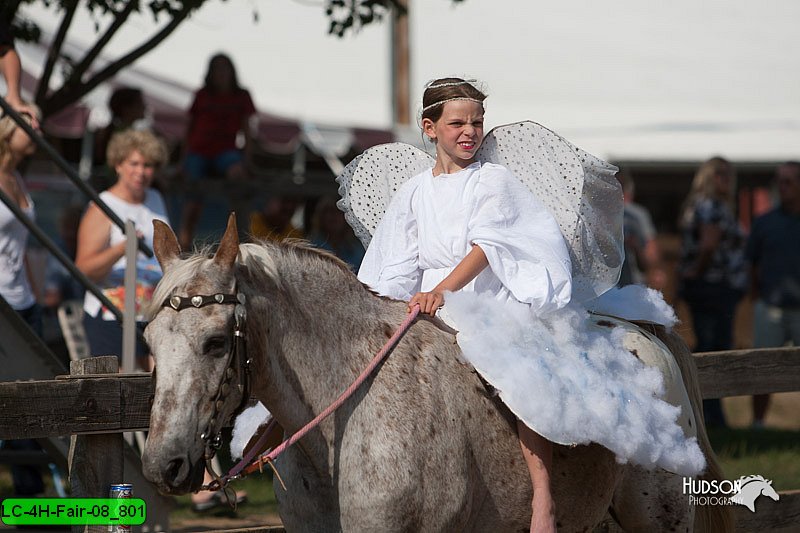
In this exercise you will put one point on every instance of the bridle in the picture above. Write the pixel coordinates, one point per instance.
(238, 358)
(238, 364)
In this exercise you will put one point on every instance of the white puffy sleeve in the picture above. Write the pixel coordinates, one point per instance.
(521, 240)
(391, 263)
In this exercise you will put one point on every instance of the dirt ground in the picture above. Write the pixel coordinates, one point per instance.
(211, 523)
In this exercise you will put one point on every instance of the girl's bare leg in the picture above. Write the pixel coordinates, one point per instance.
(538, 453)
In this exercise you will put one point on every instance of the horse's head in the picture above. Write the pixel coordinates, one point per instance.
(751, 488)
(769, 491)
(195, 336)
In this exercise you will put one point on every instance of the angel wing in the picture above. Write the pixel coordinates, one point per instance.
(368, 182)
(578, 189)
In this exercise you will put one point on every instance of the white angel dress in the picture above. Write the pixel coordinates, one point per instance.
(432, 222)
(519, 322)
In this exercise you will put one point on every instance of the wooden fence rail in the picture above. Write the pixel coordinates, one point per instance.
(747, 372)
(95, 405)
(103, 403)
(77, 405)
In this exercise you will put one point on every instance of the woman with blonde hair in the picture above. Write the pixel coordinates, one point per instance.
(135, 156)
(714, 178)
(15, 286)
(712, 269)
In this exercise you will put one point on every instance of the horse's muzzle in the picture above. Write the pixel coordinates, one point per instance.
(174, 476)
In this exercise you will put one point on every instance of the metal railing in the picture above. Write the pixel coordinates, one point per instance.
(46, 241)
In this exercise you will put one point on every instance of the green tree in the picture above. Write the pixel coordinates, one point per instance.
(350, 15)
(79, 74)
(82, 74)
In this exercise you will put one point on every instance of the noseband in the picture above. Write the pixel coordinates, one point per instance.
(238, 363)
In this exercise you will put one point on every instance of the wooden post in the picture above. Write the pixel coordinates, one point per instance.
(129, 312)
(401, 83)
(95, 461)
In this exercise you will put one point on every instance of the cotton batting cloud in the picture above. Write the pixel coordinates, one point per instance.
(634, 302)
(573, 383)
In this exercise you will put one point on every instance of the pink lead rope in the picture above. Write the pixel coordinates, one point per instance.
(245, 467)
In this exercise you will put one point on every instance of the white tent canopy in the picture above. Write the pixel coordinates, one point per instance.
(624, 79)
(168, 98)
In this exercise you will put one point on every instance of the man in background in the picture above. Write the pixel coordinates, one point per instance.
(774, 255)
(642, 263)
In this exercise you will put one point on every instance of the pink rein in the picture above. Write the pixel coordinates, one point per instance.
(247, 467)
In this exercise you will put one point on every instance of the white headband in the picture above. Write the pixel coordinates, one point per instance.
(440, 102)
(433, 85)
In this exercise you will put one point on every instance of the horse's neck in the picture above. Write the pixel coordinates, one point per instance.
(310, 352)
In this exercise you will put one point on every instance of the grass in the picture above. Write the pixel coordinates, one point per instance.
(774, 454)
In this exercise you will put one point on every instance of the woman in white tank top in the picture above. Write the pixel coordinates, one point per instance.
(135, 156)
(15, 286)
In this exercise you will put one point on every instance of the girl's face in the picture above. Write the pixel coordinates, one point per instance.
(458, 133)
(135, 174)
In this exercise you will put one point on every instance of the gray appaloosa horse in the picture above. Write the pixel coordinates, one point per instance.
(421, 446)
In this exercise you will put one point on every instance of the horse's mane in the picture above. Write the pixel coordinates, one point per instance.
(299, 248)
(264, 259)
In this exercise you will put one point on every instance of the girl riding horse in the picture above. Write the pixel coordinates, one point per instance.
(468, 225)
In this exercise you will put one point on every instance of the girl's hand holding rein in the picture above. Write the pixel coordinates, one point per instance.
(429, 302)
(464, 272)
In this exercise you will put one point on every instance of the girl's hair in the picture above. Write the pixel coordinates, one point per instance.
(7, 127)
(704, 186)
(122, 144)
(225, 58)
(444, 90)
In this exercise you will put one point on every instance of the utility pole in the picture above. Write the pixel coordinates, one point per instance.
(401, 83)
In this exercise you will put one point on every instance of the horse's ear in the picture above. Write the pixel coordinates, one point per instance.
(165, 245)
(229, 246)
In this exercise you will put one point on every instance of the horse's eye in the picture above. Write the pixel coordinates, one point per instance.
(215, 346)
